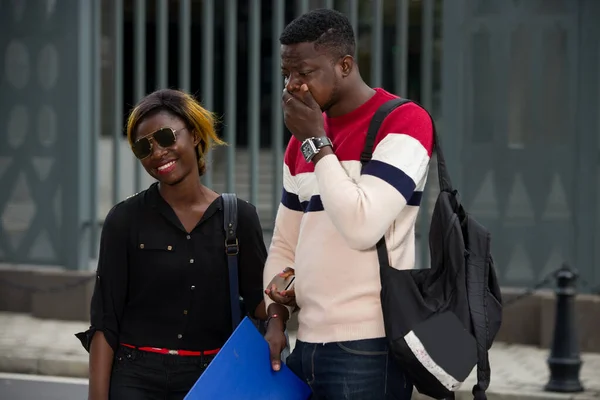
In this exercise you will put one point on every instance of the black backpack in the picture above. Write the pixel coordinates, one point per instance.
(440, 322)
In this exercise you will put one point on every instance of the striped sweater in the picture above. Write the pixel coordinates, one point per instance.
(331, 217)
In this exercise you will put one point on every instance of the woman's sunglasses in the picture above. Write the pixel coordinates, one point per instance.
(164, 137)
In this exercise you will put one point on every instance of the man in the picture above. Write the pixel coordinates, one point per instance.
(331, 216)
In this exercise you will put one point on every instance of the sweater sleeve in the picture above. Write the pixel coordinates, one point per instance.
(387, 184)
(282, 251)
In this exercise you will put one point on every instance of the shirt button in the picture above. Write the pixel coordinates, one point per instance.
(169, 248)
(184, 312)
(188, 237)
(191, 260)
(193, 287)
(179, 336)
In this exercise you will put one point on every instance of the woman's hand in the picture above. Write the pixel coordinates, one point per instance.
(275, 336)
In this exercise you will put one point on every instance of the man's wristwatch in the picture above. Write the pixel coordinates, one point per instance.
(311, 146)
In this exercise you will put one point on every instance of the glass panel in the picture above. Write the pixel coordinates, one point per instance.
(519, 268)
(483, 87)
(551, 6)
(555, 116)
(484, 7)
(519, 88)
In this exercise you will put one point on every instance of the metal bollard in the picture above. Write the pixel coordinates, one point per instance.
(564, 361)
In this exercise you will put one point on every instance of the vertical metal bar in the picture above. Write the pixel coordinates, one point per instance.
(77, 230)
(302, 7)
(328, 4)
(118, 100)
(96, 127)
(162, 41)
(208, 46)
(254, 97)
(278, 20)
(377, 43)
(353, 16)
(230, 89)
(140, 72)
(427, 54)
(426, 101)
(185, 32)
(586, 141)
(401, 53)
(455, 82)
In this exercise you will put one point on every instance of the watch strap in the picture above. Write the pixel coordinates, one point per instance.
(321, 142)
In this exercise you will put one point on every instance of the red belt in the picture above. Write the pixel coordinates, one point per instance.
(173, 352)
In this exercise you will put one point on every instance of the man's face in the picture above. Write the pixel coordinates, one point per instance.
(302, 64)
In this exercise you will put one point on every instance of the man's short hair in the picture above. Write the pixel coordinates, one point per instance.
(326, 28)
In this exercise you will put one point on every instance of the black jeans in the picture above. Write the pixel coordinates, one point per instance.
(353, 370)
(140, 375)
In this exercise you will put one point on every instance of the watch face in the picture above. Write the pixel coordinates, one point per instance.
(308, 149)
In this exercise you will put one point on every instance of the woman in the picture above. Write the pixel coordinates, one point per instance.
(160, 309)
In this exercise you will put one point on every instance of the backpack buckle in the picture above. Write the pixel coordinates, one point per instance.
(232, 249)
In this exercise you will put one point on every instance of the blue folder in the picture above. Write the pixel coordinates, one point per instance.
(242, 370)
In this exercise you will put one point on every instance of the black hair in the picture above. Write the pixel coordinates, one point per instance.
(325, 28)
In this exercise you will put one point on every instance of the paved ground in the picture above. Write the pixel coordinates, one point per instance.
(30, 387)
(47, 347)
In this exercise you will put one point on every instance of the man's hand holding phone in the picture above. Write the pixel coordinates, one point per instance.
(281, 288)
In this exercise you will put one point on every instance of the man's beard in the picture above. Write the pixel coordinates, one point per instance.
(333, 98)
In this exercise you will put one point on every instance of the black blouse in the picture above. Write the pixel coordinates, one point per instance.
(159, 286)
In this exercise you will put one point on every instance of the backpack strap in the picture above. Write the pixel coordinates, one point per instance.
(230, 216)
(384, 110)
(477, 295)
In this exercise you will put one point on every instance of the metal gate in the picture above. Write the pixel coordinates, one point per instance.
(74, 68)
(520, 101)
(520, 124)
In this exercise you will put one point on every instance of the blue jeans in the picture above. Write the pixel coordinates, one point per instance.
(353, 370)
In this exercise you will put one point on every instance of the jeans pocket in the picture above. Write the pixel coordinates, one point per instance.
(204, 361)
(365, 347)
(124, 356)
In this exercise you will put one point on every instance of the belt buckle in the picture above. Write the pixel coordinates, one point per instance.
(173, 352)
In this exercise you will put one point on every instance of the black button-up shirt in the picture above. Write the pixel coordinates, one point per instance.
(160, 286)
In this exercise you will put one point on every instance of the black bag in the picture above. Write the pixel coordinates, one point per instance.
(440, 322)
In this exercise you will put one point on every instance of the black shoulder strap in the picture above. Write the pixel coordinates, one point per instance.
(384, 110)
(230, 215)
